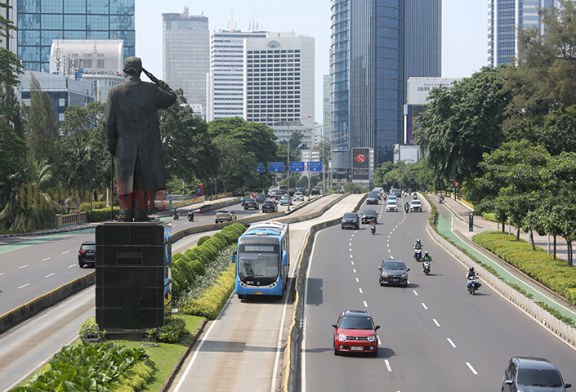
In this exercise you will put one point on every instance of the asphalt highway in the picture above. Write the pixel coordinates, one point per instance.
(434, 336)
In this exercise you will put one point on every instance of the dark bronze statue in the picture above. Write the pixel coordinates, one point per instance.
(133, 136)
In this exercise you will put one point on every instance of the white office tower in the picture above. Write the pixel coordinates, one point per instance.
(226, 83)
(279, 83)
(186, 56)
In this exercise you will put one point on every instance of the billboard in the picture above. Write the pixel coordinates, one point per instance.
(418, 88)
(361, 163)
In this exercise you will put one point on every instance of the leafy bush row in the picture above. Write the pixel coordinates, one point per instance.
(170, 332)
(555, 274)
(93, 367)
(188, 267)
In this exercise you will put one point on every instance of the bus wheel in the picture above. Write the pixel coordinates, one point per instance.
(240, 296)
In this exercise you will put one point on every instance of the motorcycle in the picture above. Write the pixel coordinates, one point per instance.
(473, 284)
(190, 216)
(373, 228)
(426, 267)
(176, 215)
(417, 254)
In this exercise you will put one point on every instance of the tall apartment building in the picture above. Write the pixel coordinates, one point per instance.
(505, 19)
(8, 41)
(376, 46)
(186, 56)
(42, 21)
(279, 83)
(226, 80)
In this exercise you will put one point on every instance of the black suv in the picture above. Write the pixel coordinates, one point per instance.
(532, 373)
(251, 204)
(269, 206)
(350, 220)
(393, 272)
(368, 215)
(87, 254)
(373, 198)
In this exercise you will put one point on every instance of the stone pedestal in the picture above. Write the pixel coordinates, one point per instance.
(132, 276)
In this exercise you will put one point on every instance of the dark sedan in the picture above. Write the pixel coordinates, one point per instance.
(393, 272)
(368, 215)
(373, 198)
(250, 204)
(269, 206)
(350, 220)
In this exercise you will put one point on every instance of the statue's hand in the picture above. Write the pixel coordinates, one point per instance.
(163, 85)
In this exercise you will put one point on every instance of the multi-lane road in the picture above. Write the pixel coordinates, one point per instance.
(434, 336)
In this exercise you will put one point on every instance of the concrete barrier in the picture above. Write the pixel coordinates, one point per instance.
(32, 308)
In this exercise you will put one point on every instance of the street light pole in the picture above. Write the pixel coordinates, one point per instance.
(288, 167)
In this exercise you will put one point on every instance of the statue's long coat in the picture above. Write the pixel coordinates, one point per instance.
(133, 133)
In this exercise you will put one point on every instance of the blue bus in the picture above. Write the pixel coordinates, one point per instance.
(262, 260)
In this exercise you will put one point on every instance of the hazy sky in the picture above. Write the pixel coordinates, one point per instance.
(464, 29)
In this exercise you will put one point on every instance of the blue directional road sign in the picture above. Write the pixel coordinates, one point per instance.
(275, 167)
(296, 166)
(260, 167)
(315, 166)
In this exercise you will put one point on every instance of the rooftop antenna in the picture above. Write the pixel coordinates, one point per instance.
(232, 23)
(253, 25)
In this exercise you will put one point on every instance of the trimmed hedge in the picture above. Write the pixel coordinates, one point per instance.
(557, 274)
(213, 299)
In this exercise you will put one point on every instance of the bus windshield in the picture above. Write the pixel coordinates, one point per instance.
(258, 265)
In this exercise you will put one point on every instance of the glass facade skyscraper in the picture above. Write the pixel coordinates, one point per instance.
(376, 46)
(505, 19)
(41, 21)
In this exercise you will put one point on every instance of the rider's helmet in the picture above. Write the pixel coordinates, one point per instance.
(471, 269)
(425, 253)
(418, 241)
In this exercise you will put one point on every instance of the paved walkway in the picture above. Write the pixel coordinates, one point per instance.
(453, 222)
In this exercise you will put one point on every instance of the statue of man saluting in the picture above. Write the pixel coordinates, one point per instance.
(133, 137)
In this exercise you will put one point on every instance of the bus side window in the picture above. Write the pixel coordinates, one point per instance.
(234, 256)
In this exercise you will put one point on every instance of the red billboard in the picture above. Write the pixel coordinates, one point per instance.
(360, 163)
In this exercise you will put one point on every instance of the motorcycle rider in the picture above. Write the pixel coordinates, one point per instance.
(175, 214)
(373, 225)
(190, 215)
(426, 260)
(417, 247)
(472, 278)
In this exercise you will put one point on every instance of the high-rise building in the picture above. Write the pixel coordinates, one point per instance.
(279, 83)
(186, 56)
(226, 80)
(505, 19)
(9, 41)
(42, 21)
(376, 46)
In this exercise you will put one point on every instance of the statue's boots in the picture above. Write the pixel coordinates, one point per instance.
(126, 210)
(140, 202)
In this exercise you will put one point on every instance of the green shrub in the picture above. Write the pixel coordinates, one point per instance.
(89, 331)
(85, 367)
(213, 299)
(171, 331)
(103, 214)
(202, 240)
(85, 207)
(555, 274)
(196, 253)
(134, 379)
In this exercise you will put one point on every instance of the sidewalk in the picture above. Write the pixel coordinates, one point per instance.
(453, 222)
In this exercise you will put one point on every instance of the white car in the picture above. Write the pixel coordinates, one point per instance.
(391, 205)
(298, 196)
(415, 205)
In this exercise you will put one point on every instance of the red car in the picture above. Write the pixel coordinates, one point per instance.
(355, 332)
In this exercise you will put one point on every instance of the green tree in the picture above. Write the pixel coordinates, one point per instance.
(189, 151)
(236, 164)
(460, 122)
(545, 81)
(41, 127)
(10, 65)
(513, 181)
(86, 163)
